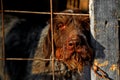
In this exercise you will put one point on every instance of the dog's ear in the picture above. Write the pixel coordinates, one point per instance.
(43, 51)
(47, 45)
(85, 22)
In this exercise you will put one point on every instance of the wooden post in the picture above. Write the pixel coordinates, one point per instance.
(104, 29)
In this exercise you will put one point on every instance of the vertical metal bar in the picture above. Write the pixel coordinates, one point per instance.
(3, 39)
(2, 28)
(51, 11)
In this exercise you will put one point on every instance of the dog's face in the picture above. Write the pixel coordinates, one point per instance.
(71, 35)
(71, 40)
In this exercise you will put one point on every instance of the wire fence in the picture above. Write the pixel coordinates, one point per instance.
(51, 13)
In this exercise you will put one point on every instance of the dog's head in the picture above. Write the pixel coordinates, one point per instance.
(71, 40)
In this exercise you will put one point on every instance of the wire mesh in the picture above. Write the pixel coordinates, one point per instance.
(51, 13)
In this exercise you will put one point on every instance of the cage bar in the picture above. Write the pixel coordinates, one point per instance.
(51, 24)
(3, 43)
(33, 12)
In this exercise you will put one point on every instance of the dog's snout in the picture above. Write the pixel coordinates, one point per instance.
(74, 40)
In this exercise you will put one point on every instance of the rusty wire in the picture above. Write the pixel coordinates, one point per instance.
(42, 59)
(3, 39)
(3, 33)
(34, 12)
(51, 15)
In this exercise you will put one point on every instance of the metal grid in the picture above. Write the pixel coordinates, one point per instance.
(51, 13)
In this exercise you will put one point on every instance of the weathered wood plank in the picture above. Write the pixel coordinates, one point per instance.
(104, 29)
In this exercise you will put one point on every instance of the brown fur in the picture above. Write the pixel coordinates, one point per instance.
(73, 53)
(74, 59)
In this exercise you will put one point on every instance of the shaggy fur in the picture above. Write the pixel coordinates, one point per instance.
(71, 36)
(71, 45)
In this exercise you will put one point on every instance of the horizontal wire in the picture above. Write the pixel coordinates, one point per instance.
(34, 12)
(42, 59)
(29, 12)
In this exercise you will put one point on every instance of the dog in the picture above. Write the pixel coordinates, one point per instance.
(71, 37)
(72, 50)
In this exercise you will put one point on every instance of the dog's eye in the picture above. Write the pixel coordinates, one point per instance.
(61, 26)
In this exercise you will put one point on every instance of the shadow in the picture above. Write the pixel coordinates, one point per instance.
(37, 5)
(98, 53)
(98, 49)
